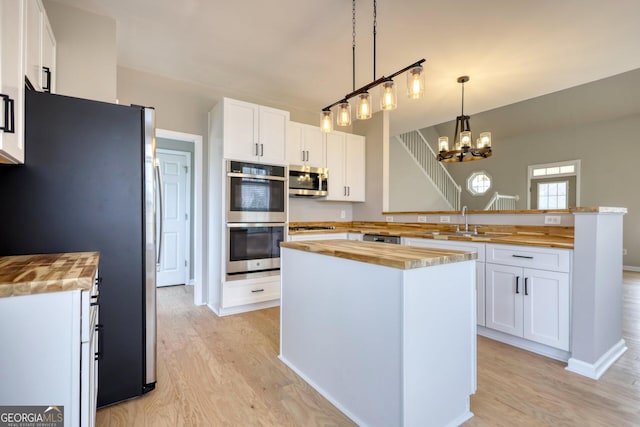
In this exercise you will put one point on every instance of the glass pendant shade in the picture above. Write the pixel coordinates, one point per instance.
(415, 82)
(443, 143)
(344, 114)
(326, 120)
(465, 138)
(485, 140)
(364, 106)
(388, 96)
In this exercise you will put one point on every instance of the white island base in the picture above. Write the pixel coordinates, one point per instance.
(387, 346)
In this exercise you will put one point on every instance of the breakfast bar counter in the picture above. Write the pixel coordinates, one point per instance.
(385, 332)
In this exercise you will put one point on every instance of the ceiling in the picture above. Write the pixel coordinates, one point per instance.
(297, 54)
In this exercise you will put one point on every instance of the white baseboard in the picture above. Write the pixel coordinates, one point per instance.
(191, 282)
(214, 309)
(524, 344)
(461, 419)
(630, 268)
(595, 370)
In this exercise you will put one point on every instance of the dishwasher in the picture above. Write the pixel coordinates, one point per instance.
(380, 238)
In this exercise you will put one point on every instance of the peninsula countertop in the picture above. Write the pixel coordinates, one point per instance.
(385, 254)
(35, 274)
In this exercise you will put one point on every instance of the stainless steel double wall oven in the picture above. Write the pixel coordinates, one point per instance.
(256, 205)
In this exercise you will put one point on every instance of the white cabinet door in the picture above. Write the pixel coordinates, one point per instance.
(295, 146)
(337, 187)
(355, 168)
(503, 296)
(272, 131)
(546, 307)
(12, 20)
(314, 146)
(48, 57)
(240, 130)
(33, 39)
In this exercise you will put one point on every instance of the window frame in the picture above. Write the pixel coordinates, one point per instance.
(474, 174)
(576, 173)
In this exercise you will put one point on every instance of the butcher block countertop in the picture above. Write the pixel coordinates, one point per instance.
(36, 274)
(527, 235)
(385, 254)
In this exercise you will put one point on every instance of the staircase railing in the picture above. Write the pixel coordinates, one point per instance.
(425, 157)
(500, 202)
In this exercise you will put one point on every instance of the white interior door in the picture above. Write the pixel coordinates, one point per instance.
(174, 263)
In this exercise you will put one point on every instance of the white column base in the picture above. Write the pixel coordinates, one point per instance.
(595, 370)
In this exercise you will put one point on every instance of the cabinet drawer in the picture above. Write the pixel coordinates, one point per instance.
(531, 257)
(478, 248)
(234, 294)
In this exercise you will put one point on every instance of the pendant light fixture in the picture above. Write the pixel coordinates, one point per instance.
(463, 149)
(388, 89)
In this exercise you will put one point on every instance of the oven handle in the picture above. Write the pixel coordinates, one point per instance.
(248, 175)
(255, 224)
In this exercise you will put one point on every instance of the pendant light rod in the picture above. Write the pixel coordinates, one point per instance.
(353, 44)
(375, 32)
(374, 83)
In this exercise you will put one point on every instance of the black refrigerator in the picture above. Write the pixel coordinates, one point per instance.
(89, 184)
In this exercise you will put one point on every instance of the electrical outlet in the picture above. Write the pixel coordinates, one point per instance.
(422, 218)
(389, 219)
(446, 218)
(343, 214)
(552, 219)
(624, 251)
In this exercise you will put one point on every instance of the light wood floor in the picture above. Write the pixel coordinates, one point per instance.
(225, 372)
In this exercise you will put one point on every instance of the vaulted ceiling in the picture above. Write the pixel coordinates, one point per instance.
(298, 53)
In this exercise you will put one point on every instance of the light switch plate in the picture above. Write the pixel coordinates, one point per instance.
(343, 214)
(445, 218)
(389, 219)
(552, 219)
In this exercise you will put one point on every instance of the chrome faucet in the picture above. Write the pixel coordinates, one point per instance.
(466, 219)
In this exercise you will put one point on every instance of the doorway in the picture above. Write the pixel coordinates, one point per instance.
(167, 139)
(175, 170)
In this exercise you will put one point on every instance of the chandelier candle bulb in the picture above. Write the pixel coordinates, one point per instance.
(465, 138)
(415, 82)
(326, 121)
(443, 143)
(485, 140)
(388, 97)
(344, 114)
(364, 106)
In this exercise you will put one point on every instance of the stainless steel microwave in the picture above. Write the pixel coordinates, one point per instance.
(307, 181)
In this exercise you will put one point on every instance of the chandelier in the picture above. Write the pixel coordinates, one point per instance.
(388, 95)
(463, 149)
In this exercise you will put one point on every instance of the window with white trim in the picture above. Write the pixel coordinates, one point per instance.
(479, 183)
(554, 185)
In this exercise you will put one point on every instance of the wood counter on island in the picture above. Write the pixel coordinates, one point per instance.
(385, 332)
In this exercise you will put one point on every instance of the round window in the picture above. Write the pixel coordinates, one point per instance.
(479, 183)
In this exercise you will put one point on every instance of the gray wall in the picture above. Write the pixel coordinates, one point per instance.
(597, 123)
(85, 52)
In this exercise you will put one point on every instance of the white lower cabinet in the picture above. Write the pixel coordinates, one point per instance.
(478, 248)
(252, 291)
(529, 302)
(49, 356)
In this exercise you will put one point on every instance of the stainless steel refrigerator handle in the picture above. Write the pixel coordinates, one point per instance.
(159, 184)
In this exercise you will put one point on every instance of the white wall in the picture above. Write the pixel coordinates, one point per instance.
(86, 52)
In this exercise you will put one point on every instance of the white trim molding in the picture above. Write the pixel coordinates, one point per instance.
(199, 254)
(631, 268)
(595, 370)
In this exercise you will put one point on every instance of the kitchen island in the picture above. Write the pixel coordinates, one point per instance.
(385, 332)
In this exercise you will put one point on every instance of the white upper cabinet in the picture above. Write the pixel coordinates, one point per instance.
(254, 133)
(305, 145)
(40, 47)
(12, 18)
(346, 166)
